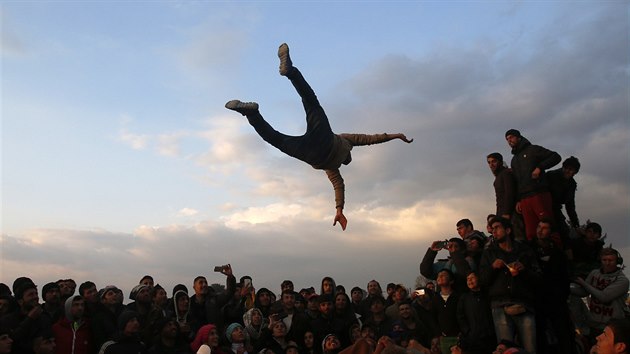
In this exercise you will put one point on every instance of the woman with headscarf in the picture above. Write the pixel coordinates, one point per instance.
(254, 325)
(206, 341)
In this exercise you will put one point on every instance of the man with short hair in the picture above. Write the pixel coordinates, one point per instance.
(528, 166)
(475, 318)
(52, 302)
(400, 294)
(206, 303)
(297, 323)
(510, 272)
(465, 229)
(66, 288)
(562, 186)
(615, 339)
(504, 185)
(585, 250)
(607, 288)
(356, 296)
(377, 318)
(457, 262)
(89, 293)
(28, 321)
(326, 323)
(445, 309)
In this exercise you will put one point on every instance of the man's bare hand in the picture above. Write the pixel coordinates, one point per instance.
(341, 219)
(227, 270)
(536, 173)
(404, 138)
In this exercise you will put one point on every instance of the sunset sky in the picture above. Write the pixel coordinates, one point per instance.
(119, 158)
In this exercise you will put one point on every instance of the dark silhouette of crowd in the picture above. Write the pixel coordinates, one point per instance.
(539, 282)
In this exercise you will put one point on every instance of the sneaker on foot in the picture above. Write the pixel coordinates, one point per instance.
(285, 60)
(243, 108)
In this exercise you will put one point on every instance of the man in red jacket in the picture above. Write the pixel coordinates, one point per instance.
(73, 334)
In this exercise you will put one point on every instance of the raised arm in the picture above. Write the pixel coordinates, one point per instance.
(337, 181)
(370, 139)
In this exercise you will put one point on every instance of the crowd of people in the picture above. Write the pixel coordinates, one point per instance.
(537, 283)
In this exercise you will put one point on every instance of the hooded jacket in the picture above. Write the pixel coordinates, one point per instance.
(525, 160)
(73, 336)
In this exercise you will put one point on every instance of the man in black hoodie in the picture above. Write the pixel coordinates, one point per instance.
(528, 166)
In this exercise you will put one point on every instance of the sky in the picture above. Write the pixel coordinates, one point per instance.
(120, 160)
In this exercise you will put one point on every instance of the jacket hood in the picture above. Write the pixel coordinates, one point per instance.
(68, 306)
(177, 295)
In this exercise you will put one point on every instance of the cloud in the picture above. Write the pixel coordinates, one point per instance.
(185, 212)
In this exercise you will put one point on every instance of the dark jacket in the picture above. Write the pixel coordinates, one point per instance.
(474, 317)
(504, 191)
(563, 193)
(23, 329)
(210, 310)
(445, 313)
(126, 345)
(502, 287)
(525, 160)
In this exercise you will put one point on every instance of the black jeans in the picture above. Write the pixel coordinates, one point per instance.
(314, 146)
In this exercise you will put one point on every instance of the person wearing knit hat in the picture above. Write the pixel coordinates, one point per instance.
(101, 293)
(235, 334)
(137, 289)
(127, 339)
(528, 167)
(166, 337)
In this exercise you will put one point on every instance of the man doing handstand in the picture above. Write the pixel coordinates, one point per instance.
(319, 146)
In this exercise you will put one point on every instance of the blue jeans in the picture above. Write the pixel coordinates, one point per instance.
(523, 325)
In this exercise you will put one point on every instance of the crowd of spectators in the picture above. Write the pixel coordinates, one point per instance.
(536, 283)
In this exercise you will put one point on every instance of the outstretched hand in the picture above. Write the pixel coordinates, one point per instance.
(404, 138)
(341, 219)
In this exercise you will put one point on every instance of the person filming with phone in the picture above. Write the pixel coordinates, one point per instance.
(206, 303)
(456, 262)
